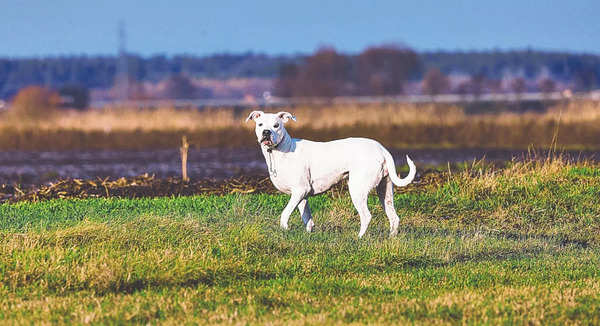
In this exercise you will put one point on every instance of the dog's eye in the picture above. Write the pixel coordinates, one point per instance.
(260, 124)
(276, 125)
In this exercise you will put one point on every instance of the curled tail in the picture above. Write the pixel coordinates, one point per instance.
(389, 163)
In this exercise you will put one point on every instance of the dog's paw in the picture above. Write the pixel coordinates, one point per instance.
(284, 226)
(309, 226)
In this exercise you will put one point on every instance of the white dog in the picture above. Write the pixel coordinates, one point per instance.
(303, 168)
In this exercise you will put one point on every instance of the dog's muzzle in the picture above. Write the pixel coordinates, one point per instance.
(266, 138)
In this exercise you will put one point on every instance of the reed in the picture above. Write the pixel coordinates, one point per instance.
(414, 125)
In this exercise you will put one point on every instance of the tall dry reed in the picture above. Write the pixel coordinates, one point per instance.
(315, 117)
(393, 124)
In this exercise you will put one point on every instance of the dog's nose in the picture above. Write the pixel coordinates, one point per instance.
(266, 132)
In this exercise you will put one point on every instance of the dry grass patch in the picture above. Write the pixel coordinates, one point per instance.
(314, 117)
(394, 124)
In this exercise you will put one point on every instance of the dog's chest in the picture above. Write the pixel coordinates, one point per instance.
(286, 172)
(281, 185)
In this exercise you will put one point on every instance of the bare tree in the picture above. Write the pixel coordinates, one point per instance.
(547, 85)
(137, 91)
(463, 88)
(324, 75)
(383, 70)
(476, 84)
(493, 85)
(518, 85)
(586, 79)
(327, 73)
(435, 82)
(181, 87)
(286, 83)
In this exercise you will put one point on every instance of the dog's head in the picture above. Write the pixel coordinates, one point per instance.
(270, 129)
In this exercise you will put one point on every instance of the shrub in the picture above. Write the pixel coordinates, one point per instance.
(35, 102)
(435, 82)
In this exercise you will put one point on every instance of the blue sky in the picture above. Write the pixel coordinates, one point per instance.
(67, 27)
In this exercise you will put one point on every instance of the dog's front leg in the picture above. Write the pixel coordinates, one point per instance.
(287, 211)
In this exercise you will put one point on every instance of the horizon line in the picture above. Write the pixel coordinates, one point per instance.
(298, 53)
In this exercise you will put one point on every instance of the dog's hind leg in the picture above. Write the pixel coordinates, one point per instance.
(305, 213)
(385, 192)
(359, 192)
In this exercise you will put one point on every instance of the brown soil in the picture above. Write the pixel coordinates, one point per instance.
(149, 186)
(26, 168)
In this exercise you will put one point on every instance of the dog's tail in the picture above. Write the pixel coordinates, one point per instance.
(391, 167)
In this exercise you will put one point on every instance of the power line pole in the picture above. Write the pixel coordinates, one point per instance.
(122, 67)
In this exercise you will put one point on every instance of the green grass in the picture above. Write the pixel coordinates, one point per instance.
(517, 246)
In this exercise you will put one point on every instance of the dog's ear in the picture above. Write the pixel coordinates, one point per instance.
(285, 116)
(254, 114)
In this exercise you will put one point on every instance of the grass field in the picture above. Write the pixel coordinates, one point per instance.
(521, 245)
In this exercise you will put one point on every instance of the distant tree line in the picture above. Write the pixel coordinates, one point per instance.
(384, 70)
(378, 70)
(435, 82)
(527, 63)
(100, 72)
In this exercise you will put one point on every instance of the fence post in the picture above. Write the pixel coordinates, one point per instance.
(184, 153)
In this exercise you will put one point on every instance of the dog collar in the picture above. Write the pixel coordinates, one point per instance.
(270, 149)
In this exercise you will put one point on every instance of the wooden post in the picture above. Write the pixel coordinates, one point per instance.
(184, 152)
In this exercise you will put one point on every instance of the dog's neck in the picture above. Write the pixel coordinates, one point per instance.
(284, 146)
(273, 154)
